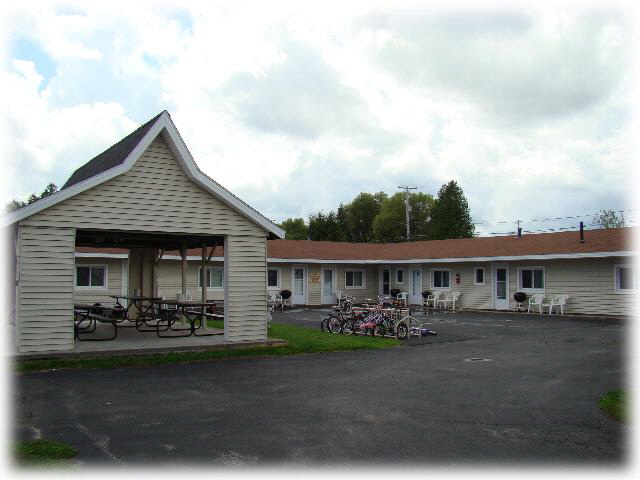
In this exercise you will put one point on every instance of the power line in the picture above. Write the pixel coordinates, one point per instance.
(485, 222)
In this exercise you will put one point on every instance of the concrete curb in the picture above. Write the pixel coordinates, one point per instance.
(276, 342)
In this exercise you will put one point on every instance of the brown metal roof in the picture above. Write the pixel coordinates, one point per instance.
(609, 240)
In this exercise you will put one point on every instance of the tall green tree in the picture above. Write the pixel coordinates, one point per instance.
(608, 219)
(295, 229)
(16, 204)
(450, 216)
(360, 214)
(341, 218)
(390, 225)
(326, 227)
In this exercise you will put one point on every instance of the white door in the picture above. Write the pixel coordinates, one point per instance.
(328, 286)
(299, 296)
(415, 294)
(500, 286)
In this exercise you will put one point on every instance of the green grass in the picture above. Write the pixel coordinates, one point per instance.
(300, 340)
(614, 404)
(43, 452)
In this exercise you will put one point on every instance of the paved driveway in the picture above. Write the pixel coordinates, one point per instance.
(531, 399)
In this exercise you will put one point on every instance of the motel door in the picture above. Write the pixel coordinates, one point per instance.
(299, 285)
(415, 295)
(329, 286)
(500, 286)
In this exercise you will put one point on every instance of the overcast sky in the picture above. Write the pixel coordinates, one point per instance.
(298, 109)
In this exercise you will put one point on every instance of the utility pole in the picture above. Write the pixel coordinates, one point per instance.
(407, 207)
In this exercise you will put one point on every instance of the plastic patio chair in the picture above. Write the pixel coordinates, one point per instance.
(403, 297)
(560, 302)
(433, 298)
(453, 298)
(535, 300)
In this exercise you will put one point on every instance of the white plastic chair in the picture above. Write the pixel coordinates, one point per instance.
(339, 295)
(560, 301)
(535, 300)
(453, 298)
(433, 298)
(403, 297)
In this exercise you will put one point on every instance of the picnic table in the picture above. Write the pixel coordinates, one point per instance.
(86, 317)
(167, 311)
(142, 303)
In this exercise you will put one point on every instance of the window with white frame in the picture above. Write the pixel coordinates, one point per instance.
(214, 277)
(273, 278)
(478, 276)
(400, 275)
(531, 279)
(626, 279)
(91, 276)
(440, 278)
(354, 278)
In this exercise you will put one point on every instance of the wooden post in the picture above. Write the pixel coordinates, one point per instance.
(203, 272)
(183, 254)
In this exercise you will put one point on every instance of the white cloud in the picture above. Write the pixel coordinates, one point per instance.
(297, 110)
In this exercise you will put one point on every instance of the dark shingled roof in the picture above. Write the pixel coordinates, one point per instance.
(111, 157)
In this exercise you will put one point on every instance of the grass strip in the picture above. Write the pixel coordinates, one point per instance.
(614, 404)
(43, 452)
(300, 340)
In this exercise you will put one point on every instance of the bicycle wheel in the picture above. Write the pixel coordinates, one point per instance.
(323, 324)
(335, 325)
(347, 327)
(379, 330)
(402, 331)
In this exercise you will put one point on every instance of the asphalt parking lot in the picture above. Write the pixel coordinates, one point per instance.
(490, 388)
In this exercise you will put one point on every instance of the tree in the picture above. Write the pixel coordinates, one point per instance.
(608, 219)
(450, 216)
(360, 214)
(295, 229)
(341, 218)
(325, 227)
(16, 204)
(390, 225)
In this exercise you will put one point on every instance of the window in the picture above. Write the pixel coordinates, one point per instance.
(478, 276)
(440, 278)
(214, 277)
(531, 279)
(399, 276)
(354, 278)
(273, 278)
(94, 276)
(626, 281)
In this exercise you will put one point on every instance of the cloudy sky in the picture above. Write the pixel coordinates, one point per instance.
(296, 109)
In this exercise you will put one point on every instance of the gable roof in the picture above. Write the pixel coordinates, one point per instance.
(112, 156)
(119, 159)
(598, 243)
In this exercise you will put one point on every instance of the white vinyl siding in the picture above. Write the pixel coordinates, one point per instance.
(155, 195)
(46, 267)
(354, 278)
(245, 273)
